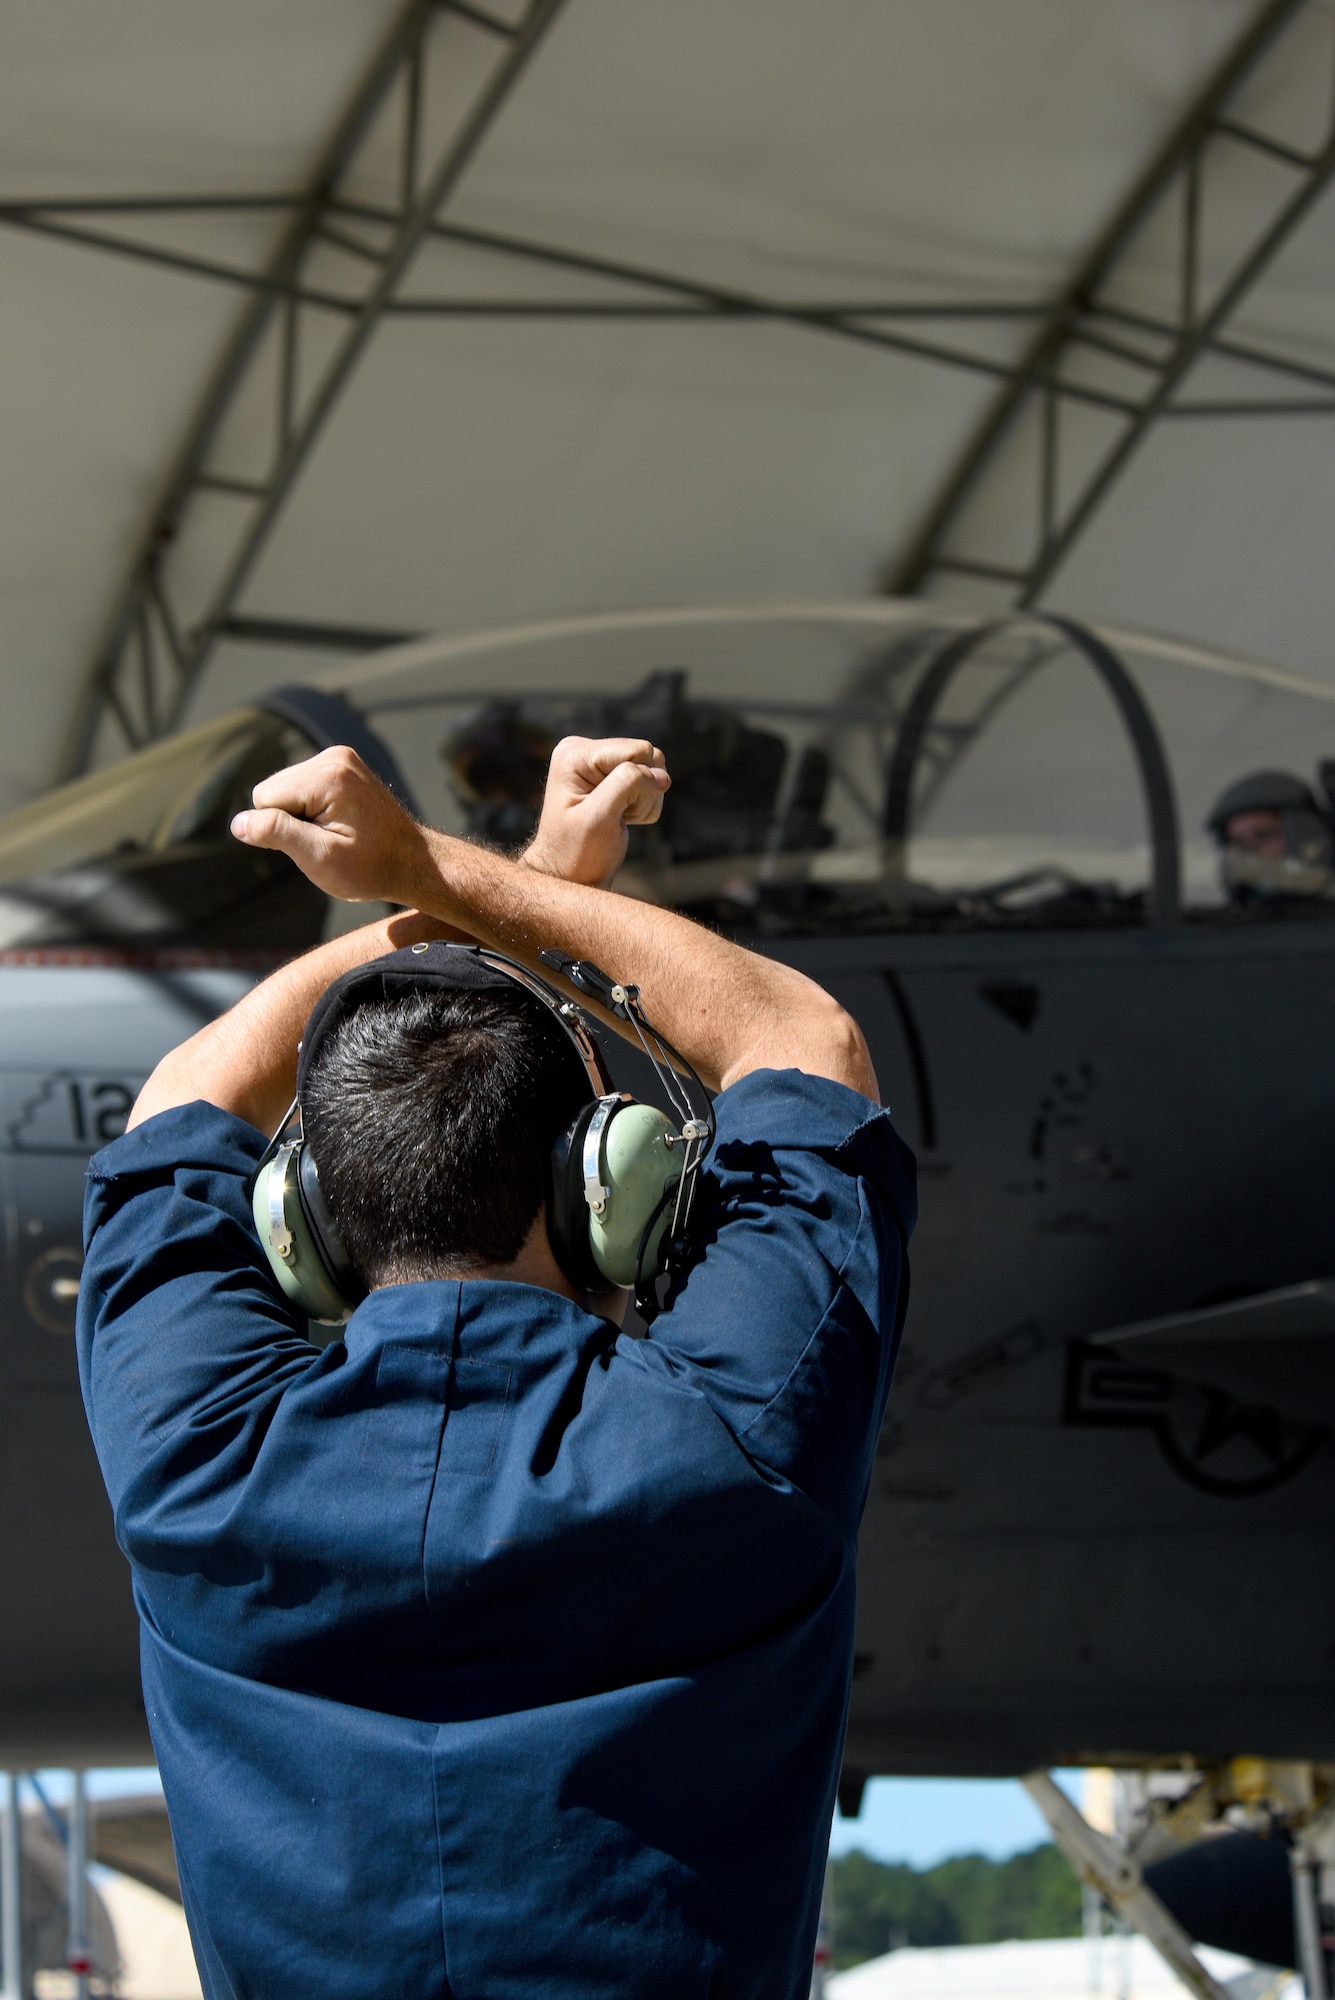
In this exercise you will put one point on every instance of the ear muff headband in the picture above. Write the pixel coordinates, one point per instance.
(615, 1209)
(689, 1099)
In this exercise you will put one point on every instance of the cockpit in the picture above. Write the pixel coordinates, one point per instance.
(837, 769)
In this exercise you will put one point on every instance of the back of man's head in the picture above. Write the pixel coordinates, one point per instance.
(431, 1119)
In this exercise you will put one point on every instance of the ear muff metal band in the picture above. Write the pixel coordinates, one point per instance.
(688, 1098)
(623, 1174)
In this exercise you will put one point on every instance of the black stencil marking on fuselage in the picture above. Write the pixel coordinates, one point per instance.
(1236, 1451)
(1014, 999)
(981, 1366)
(1062, 1105)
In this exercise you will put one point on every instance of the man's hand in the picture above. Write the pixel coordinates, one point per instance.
(595, 792)
(355, 841)
(341, 827)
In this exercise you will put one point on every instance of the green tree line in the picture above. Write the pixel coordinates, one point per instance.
(967, 1900)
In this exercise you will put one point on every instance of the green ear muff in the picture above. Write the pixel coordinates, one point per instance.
(608, 1211)
(280, 1202)
(611, 1208)
(622, 1174)
(629, 1171)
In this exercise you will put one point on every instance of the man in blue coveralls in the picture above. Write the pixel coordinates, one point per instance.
(490, 1653)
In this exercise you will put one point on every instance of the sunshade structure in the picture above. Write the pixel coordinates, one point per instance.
(329, 320)
(1055, 1968)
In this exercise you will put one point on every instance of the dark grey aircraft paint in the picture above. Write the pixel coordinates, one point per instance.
(1103, 1506)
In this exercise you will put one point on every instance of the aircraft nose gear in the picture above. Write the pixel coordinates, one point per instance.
(1163, 1868)
(1115, 1875)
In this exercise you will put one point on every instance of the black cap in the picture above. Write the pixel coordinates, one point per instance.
(449, 968)
(1262, 791)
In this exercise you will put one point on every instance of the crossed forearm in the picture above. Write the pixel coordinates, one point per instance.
(728, 1010)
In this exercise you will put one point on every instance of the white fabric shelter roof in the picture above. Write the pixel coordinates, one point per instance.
(1118, 1968)
(491, 469)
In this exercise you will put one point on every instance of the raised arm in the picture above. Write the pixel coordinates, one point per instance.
(246, 1060)
(728, 1010)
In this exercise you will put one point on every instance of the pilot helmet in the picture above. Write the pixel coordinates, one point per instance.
(1300, 863)
(497, 764)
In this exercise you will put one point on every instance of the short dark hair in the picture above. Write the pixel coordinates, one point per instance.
(431, 1120)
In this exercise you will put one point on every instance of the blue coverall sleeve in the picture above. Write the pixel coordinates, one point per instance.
(266, 1491)
(186, 1345)
(789, 1318)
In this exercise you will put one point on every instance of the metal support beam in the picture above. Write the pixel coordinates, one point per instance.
(1090, 351)
(78, 1957)
(11, 1890)
(1104, 1867)
(1305, 1870)
(678, 297)
(674, 297)
(157, 642)
(1025, 416)
(302, 634)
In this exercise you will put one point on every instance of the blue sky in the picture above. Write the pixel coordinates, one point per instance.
(101, 1784)
(919, 1820)
(924, 1820)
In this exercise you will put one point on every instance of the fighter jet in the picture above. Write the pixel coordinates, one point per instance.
(1103, 1501)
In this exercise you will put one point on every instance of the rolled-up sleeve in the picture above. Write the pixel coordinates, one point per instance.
(789, 1318)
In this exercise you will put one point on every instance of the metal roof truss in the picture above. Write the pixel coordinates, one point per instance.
(1091, 354)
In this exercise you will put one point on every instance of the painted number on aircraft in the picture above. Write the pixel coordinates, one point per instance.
(98, 1110)
(66, 1114)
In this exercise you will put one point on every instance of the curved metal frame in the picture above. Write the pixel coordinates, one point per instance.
(1164, 907)
(172, 611)
(1149, 356)
(158, 624)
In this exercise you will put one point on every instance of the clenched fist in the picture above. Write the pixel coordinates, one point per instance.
(341, 827)
(355, 841)
(595, 791)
